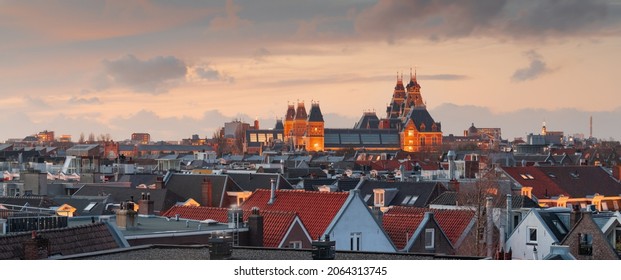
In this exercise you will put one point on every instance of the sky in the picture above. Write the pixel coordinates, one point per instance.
(178, 68)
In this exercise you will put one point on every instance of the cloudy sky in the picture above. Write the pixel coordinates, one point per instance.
(177, 68)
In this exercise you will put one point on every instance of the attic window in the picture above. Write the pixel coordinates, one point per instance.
(586, 244)
(532, 236)
(90, 206)
(552, 175)
(406, 200)
(413, 200)
(558, 226)
(366, 198)
(429, 238)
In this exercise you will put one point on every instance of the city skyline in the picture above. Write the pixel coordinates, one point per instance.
(183, 68)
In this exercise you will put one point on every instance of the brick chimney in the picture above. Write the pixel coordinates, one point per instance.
(207, 192)
(145, 205)
(574, 216)
(255, 228)
(36, 248)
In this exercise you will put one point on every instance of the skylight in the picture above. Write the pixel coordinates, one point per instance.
(90, 206)
(413, 200)
(406, 200)
(366, 197)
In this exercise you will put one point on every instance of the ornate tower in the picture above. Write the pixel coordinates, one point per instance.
(299, 125)
(314, 129)
(288, 125)
(413, 98)
(398, 97)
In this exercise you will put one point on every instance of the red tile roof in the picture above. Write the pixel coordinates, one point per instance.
(542, 184)
(398, 225)
(452, 222)
(275, 223)
(316, 209)
(275, 226)
(198, 213)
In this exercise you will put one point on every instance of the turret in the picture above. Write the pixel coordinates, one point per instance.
(314, 140)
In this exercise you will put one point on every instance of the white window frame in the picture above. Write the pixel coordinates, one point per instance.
(528, 235)
(431, 244)
(295, 244)
(378, 198)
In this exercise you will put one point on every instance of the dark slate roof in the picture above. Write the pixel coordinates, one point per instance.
(517, 201)
(312, 184)
(370, 138)
(368, 120)
(305, 172)
(186, 186)
(420, 115)
(300, 112)
(426, 192)
(553, 222)
(137, 179)
(253, 181)
(347, 184)
(279, 125)
(33, 201)
(81, 202)
(66, 241)
(201, 252)
(315, 114)
(290, 115)
(118, 194)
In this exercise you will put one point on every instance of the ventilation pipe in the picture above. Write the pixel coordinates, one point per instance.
(272, 192)
(451, 158)
(489, 232)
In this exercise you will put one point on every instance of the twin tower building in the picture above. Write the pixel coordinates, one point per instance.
(408, 126)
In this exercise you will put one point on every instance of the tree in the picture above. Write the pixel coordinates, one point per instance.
(81, 140)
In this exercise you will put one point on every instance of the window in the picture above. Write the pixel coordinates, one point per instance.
(90, 206)
(295, 244)
(366, 197)
(413, 200)
(586, 244)
(406, 200)
(604, 206)
(532, 235)
(558, 226)
(429, 238)
(615, 204)
(354, 241)
(422, 141)
(379, 198)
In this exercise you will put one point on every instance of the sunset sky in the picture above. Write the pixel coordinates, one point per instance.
(177, 68)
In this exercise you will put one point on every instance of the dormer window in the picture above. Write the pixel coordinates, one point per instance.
(378, 198)
(422, 127)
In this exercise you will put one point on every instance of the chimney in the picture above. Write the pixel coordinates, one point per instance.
(235, 217)
(272, 192)
(145, 205)
(509, 218)
(255, 228)
(574, 216)
(207, 192)
(451, 158)
(36, 248)
(126, 216)
(489, 228)
(324, 250)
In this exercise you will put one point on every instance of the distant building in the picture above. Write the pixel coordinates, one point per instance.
(45, 136)
(141, 138)
(408, 126)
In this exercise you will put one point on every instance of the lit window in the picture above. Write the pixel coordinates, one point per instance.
(379, 199)
(422, 141)
(604, 206)
(429, 238)
(410, 132)
(532, 235)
